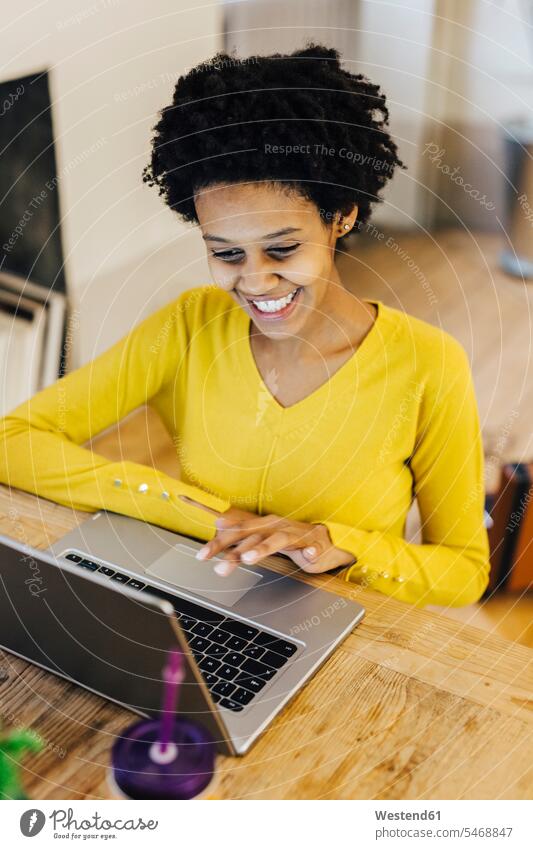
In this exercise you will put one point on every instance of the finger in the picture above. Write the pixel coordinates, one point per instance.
(225, 566)
(309, 542)
(232, 557)
(328, 560)
(221, 541)
(309, 553)
(301, 555)
(270, 545)
(247, 544)
(317, 546)
(312, 552)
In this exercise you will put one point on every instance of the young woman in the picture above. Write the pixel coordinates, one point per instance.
(306, 419)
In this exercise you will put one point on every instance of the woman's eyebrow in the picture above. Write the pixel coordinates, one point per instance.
(284, 232)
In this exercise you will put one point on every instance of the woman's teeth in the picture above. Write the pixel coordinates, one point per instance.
(274, 306)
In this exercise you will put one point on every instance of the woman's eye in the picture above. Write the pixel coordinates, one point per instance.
(284, 250)
(237, 254)
(232, 255)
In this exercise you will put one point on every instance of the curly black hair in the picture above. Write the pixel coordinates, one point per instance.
(298, 119)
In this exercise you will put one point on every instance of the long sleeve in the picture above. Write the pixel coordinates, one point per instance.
(451, 565)
(41, 440)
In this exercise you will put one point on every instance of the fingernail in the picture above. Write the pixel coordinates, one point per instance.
(311, 551)
(249, 555)
(202, 553)
(222, 569)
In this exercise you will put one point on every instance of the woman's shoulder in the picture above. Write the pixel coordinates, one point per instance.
(180, 320)
(434, 352)
(201, 303)
(191, 310)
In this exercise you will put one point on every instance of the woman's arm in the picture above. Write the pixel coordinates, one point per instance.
(41, 440)
(451, 567)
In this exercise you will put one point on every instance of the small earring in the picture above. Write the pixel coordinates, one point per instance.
(347, 227)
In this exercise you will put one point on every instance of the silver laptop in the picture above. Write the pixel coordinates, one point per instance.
(104, 604)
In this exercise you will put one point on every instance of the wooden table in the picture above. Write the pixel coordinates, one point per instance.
(412, 706)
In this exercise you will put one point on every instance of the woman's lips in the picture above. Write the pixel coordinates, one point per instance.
(280, 314)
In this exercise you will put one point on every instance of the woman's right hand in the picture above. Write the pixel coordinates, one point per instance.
(244, 537)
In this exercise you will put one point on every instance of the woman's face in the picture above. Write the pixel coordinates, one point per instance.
(271, 251)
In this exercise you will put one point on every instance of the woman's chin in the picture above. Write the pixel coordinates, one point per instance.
(275, 330)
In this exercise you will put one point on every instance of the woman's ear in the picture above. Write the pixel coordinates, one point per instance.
(345, 223)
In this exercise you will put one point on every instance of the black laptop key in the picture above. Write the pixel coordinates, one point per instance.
(283, 647)
(275, 644)
(88, 564)
(76, 558)
(105, 570)
(254, 651)
(231, 705)
(235, 643)
(239, 629)
(118, 576)
(216, 651)
(210, 679)
(135, 584)
(188, 608)
(223, 688)
(258, 669)
(218, 636)
(227, 672)
(209, 664)
(199, 644)
(242, 697)
(264, 639)
(251, 683)
(234, 658)
(273, 659)
(187, 622)
(202, 629)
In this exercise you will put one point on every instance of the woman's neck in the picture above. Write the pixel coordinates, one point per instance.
(337, 323)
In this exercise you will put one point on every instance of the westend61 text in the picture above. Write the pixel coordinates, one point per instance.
(407, 815)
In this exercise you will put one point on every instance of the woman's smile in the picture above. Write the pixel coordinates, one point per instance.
(267, 308)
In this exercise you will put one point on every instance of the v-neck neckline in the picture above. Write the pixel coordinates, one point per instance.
(320, 398)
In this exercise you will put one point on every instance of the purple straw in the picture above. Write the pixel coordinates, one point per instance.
(166, 758)
(173, 675)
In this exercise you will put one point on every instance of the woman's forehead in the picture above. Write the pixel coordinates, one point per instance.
(261, 209)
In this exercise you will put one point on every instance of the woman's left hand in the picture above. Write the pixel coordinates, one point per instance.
(245, 537)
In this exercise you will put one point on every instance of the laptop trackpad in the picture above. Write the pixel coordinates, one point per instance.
(179, 567)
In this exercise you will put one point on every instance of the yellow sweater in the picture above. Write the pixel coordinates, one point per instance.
(398, 419)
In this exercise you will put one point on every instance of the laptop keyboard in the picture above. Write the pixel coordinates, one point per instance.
(236, 659)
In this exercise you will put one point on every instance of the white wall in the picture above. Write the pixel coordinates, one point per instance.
(479, 81)
(113, 65)
(394, 49)
(496, 77)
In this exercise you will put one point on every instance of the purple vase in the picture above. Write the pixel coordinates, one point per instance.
(142, 771)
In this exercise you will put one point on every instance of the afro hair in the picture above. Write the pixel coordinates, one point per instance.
(298, 119)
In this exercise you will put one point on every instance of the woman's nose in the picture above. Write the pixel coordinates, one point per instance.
(258, 278)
